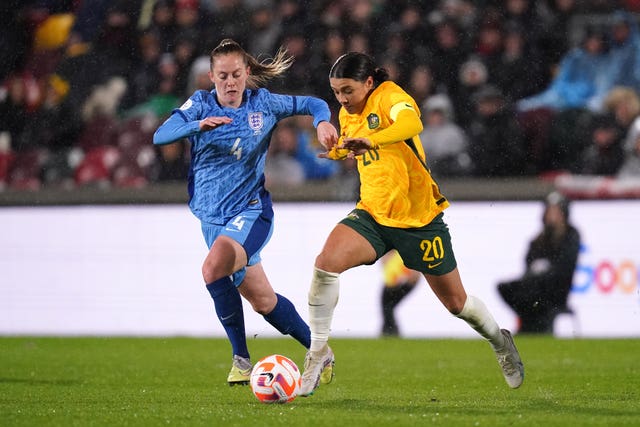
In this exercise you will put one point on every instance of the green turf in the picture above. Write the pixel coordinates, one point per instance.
(379, 382)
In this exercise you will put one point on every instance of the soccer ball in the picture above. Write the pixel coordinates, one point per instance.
(275, 379)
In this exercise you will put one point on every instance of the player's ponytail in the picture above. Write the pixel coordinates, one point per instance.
(261, 71)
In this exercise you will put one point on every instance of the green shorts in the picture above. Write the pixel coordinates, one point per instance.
(425, 249)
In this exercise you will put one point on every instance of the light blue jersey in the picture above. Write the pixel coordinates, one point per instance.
(227, 163)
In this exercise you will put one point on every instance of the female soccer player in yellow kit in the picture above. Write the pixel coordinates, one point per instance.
(400, 207)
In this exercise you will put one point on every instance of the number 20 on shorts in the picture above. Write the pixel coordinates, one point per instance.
(433, 250)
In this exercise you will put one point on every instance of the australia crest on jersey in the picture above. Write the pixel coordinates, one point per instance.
(373, 121)
(256, 122)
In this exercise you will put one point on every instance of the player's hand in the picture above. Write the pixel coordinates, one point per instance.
(356, 146)
(327, 135)
(211, 123)
(334, 153)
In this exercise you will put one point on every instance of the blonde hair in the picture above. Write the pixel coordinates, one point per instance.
(261, 71)
(623, 95)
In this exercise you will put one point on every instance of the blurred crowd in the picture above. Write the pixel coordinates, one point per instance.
(507, 87)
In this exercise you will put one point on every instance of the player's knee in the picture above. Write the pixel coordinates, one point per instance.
(264, 304)
(210, 273)
(454, 304)
(328, 262)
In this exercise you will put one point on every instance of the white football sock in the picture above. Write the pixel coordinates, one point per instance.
(475, 313)
(323, 298)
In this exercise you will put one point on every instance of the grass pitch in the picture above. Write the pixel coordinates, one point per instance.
(379, 382)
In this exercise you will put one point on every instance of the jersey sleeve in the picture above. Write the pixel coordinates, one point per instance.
(313, 106)
(293, 105)
(183, 122)
(407, 124)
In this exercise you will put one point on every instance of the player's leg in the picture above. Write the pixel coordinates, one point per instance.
(450, 291)
(233, 246)
(344, 248)
(428, 249)
(275, 308)
(225, 257)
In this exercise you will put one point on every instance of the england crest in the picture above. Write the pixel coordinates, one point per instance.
(256, 122)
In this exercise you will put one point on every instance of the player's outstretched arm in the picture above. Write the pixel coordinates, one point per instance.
(175, 128)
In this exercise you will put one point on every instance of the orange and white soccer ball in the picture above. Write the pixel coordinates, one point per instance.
(275, 379)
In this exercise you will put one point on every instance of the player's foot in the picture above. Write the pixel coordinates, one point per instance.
(316, 364)
(510, 362)
(240, 372)
(327, 373)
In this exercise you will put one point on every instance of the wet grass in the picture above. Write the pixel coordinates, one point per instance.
(379, 382)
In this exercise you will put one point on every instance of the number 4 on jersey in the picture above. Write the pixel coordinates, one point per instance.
(236, 150)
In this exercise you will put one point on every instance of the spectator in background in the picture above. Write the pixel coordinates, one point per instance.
(54, 124)
(173, 159)
(122, 38)
(226, 18)
(623, 103)
(189, 17)
(166, 95)
(497, 147)
(604, 153)
(116, 40)
(293, 155)
(282, 168)
(568, 134)
(111, 55)
(555, 19)
(581, 78)
(473, 76)
(631, 165)
(185, 52)
(488, 46)
(14, 37)
(332, 47)
(292, 13)
(421, 84)
(624, 55)
(445, 143)
(358, 42)
(144, 77)
(199, 75)
(360, 16)
(450, 54)
(89, 18)
(299, 76)
(13, 110)
(163, 24)
(519, 72)
(307, 151)
(525, 14)
(265, 29)
(415, 31)
(394, 53)
(551, 260)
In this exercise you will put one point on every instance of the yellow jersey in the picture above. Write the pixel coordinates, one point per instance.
(396, 187)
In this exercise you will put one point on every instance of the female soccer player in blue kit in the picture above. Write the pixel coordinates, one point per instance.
(229, 129)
